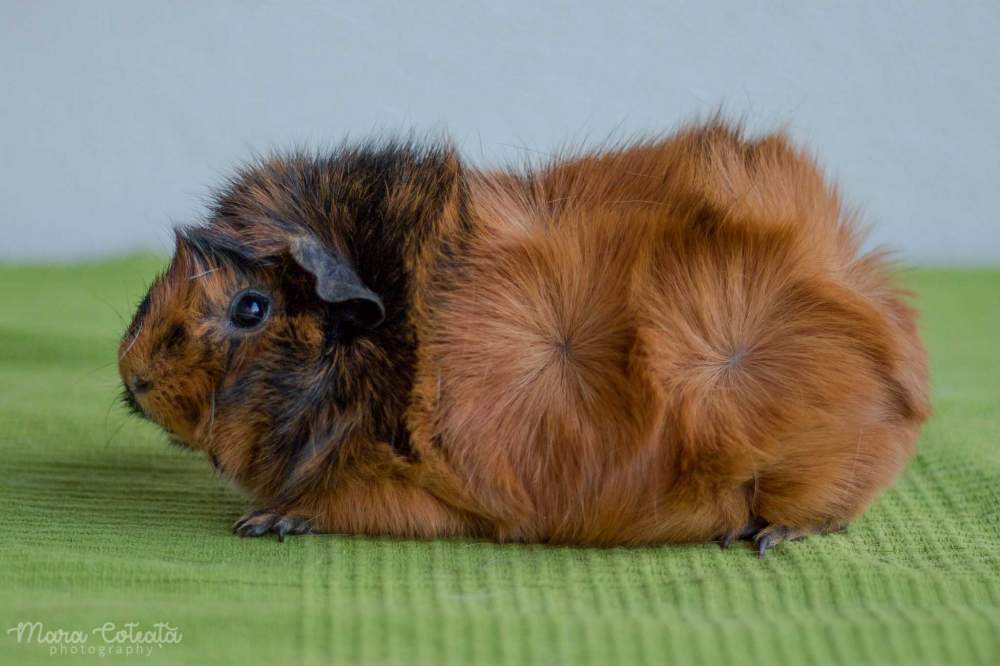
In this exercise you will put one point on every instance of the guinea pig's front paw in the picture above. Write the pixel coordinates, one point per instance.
(266, 521)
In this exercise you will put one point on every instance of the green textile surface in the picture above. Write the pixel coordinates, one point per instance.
(103, 522)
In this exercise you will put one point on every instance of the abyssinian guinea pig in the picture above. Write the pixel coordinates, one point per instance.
(678, 340)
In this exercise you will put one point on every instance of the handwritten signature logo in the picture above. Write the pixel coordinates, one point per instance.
(130, 638)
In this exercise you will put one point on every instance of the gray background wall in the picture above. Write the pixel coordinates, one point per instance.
(117, 117)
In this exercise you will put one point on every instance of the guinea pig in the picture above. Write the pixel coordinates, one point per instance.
(675, 340)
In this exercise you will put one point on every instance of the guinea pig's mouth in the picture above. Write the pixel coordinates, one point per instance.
(128, 399)
(135, 407)
(179, 443)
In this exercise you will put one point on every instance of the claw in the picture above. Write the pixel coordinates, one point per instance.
(763, 543)
(747, 531)
(765, 536)
(242, 522)
(259, 523)
(291, 525)
(282, 528)
(772, 535)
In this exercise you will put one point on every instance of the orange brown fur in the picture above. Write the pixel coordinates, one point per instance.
(667, 342)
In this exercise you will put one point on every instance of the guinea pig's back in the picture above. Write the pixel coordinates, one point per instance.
(624, 351)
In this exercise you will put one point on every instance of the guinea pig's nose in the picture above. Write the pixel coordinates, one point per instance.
(139, 385)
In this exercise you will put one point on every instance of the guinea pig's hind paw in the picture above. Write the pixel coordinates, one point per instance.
(259, 523)
(772, 535)
(746, 532)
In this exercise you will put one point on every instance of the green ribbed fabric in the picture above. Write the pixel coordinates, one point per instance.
(100, 521)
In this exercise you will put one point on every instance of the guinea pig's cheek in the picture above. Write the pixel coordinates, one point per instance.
(187, 417)
(158, 408)
(180, 430)
(174, 410)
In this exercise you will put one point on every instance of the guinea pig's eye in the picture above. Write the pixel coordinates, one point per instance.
(249, 309)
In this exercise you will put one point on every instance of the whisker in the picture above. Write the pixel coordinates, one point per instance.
(204, 273)
(132, 342)
(107, 415)
(89, 373)
(211, 421)
(108, 303)
(524, 148)
(110, 437)
(640, 201)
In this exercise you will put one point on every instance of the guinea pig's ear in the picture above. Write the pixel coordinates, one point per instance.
(338, 284)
